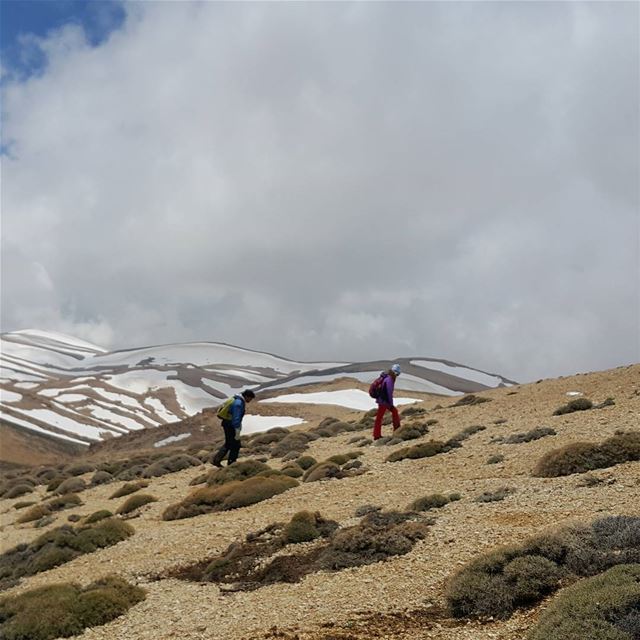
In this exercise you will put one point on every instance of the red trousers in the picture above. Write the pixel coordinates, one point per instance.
(377, 426)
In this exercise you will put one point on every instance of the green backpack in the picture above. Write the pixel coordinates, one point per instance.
(224, 410)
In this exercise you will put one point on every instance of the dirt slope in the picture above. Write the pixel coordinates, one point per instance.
(399, 598)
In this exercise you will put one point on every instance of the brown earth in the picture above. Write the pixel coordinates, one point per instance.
(402, 597)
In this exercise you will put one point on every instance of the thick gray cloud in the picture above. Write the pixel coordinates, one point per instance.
(335, 180)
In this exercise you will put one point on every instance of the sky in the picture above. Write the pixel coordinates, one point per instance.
(327, 181)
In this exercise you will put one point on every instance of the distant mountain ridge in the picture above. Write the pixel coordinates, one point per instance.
(76, 392)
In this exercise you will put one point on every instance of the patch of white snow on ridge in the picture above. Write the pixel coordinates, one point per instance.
(405, 381)
(9, 396)
(460, 372)
(207, 354)
(61, 338)
(160, 410)
(64, 423)
(574, 393)
(116, 420)
(170, 439)
(70, 397)
(349, 398)
(32, 427)
(255, 424)
(117, 397)
(27, 385)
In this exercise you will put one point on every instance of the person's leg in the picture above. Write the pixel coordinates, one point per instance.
(395, 417)
(229, 439)
(377, 425)
(234, 450)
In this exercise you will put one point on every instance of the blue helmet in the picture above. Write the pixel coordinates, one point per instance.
(396, 369)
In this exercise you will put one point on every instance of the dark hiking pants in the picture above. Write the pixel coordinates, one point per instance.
(230, 446)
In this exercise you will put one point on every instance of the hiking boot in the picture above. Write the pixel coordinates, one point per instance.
(217, 463)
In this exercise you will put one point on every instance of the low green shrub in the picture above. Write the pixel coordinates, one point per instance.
(321, 471)
(432, 501)
(578, 404)
(63, 610)
(587, 456)
(101, 477)
(498, 582)
(292, 470)
(343, 458)
(413, 411)
(23, 505)
(96, 516)
(494, 496)
(18, 490)
(470, 400)
(528, 436)
(302, 528)
(456, 441)
(60, 545)
(171, 464)
(605, 607)
(237, 471)
(51, 506)
(422, 450)
(131, 473)
(232, 495)
(495, 459)
(127, 489)
(378, 536)
(71, 485)
(55, 482)
(304, 462)
(135, 502)
(296, 441)
(411, 431)
(268, 437)
(79, 469)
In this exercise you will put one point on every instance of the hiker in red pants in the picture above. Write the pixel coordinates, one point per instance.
(385, 401)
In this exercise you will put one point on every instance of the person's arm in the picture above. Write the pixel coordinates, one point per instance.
(389, 384)
(236, 416)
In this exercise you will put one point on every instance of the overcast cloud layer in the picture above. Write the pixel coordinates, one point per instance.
(335, 181)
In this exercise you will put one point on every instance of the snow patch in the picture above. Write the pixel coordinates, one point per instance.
(170, 439)
(9, 396)
(255, 424)
(460, 372)
(349, 398)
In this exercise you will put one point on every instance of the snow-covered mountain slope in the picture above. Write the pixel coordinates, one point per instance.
(77, 392)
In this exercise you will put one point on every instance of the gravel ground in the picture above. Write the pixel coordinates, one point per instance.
(399, 598)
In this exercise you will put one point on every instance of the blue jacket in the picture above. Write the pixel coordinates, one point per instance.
(237, 412)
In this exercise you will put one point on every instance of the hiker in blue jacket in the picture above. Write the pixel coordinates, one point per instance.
(231, 413)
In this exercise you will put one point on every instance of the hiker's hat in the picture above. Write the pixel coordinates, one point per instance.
(396, 369)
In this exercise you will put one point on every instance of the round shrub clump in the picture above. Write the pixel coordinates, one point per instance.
(96, 516)
(135, 502)
(63, 610)
(305, 462)
(231, 495)
(71, 485)
(18, 490)
(127, 489)
(579, 404)
(605, 607)
(301, 528)
(587, 456)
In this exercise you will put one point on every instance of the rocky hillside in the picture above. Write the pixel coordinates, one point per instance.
(390, 528)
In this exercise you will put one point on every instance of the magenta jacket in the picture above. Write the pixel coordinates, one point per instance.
(386, 395)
